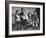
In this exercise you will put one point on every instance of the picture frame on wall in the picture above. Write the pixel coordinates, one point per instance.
(24, 18)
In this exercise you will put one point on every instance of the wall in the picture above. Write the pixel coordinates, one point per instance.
(2, 19)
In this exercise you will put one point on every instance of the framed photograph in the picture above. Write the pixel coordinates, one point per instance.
(24, 18)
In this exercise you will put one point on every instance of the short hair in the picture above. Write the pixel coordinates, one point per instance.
(21, 9)
(17, 11)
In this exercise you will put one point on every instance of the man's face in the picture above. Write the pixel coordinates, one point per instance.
(22, 9)
(18, 12)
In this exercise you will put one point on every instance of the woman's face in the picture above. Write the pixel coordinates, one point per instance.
(35, 13)
(29, 14)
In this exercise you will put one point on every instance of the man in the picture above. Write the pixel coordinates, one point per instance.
(35, 19)
(17, 19)
(23, 19)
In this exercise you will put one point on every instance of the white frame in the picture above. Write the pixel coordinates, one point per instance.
(25, 32)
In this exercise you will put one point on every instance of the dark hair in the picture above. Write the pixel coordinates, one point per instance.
(21, 9)
(28, 14)
(17, 11)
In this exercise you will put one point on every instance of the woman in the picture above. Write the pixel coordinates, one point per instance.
(29, 18)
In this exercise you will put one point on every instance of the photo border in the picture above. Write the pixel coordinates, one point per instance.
(7, 18)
